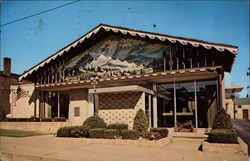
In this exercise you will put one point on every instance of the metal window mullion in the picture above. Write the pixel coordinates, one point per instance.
(195, 99)
(175, 119)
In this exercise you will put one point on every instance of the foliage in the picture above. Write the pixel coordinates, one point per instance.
(80, 131)
(140, 122)
(59, 119)
(65, 131)
(118, 126)
(2, 113)
(19, 119)
(130, 134)
(18, 133)
(111, 133)
(222, 136)
(94, 122)
(163, 132)
(46, 119)
(96, 133)
(222, 120)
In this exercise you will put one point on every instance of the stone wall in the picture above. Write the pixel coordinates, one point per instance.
(78, 99)
(239, 114)
(24, 106)
(220, 147)
(45, 127)
(122, 115)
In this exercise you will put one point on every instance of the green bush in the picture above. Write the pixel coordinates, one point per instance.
(2, 113)
(130, 134)
(111, 133)
(80, 131)
(59, 119)
(94, 122)
(140, 122)
(162, 131)
(65, 131)
(46, 119)
(222, 120)
(96, 133)
(222, 136)
(118, 126)
(19, 120)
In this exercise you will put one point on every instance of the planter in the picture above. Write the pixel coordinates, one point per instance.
(221, 147)
(185, 129)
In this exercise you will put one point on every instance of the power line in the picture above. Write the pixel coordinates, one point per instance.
(8, 23)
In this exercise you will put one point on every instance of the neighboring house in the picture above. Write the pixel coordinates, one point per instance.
(6, 80)
(114, 71)
(237, 108)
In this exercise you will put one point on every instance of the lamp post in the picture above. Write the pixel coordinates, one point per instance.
(94, 82)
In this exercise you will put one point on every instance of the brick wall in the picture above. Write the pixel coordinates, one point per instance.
(5, 83)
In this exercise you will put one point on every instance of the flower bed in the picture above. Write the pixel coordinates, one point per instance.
(185, 127)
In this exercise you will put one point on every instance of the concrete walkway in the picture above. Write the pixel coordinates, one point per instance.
(50, 148)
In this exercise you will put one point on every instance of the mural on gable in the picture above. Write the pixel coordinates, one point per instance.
(117, 56)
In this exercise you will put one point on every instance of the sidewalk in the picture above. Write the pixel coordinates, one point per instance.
(50, 148)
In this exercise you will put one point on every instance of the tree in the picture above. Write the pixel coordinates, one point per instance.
(141, 122)
(2, 113)
(222, 120)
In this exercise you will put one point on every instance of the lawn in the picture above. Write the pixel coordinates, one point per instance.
(18, 133)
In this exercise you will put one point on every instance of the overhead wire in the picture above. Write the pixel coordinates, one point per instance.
(51, 9)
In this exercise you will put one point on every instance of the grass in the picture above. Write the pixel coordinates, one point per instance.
(18, 133)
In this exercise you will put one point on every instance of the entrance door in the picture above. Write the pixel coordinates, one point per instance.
(245, 114)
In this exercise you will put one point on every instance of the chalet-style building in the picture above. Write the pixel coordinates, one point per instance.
(114, 71)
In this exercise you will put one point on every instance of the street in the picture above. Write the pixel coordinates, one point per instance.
(242, 127)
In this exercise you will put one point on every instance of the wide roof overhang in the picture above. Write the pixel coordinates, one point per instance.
(136, 33)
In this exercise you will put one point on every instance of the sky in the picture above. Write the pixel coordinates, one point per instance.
(30, 41)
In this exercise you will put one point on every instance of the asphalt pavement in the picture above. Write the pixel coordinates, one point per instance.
(242, 127)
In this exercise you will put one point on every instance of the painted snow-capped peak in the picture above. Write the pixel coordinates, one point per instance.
(109, 62)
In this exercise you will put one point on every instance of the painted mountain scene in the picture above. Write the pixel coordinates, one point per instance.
(116, 56)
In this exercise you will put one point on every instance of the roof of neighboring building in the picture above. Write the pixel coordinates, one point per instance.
(233, 88)
(242, 101)
(141, 34)
(12, 75)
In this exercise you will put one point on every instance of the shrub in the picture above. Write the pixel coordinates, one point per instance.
(140, 121)
(94, 122)
(19, 119)
(2, 113)
(162, 131)
(46, 119)
(222, 120)
(130, 134)
(222, 136)
(96, 133)
(111, 133)
(80, 131)
(65, 131)
(118, 126)
(59, 119)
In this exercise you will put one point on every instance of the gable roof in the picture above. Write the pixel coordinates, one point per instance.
(143, 34)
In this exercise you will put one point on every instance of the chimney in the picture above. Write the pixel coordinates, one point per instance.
(6, 66)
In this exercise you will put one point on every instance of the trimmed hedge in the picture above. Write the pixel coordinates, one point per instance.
(118, 126)
(80, 131)
(46, 119)
(96, 133)
(130, 134)
(162, 131)
(111, 133)
(94, 122)
(19, 119)
(222, 136)
(65, 131)
(59, 119)
(222, 120)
